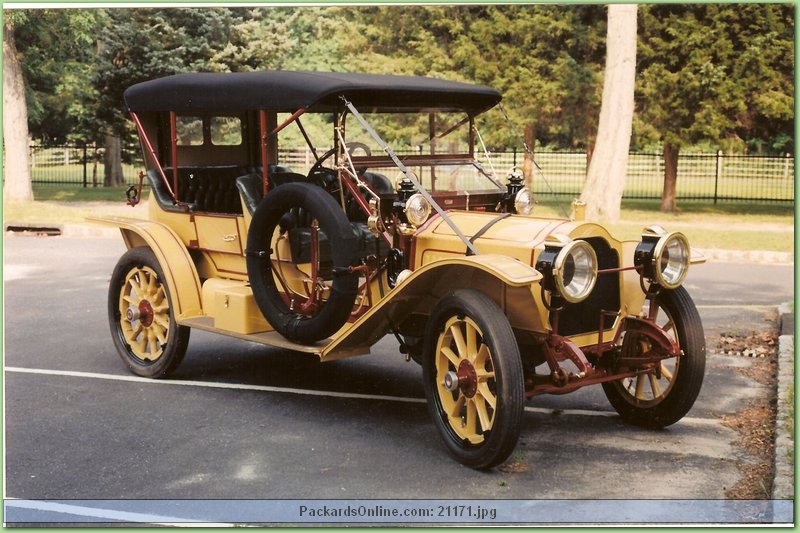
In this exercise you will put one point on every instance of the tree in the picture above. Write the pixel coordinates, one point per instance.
(605, 180)
(142, 44)
(16, 164)
(711, 72)
(47, 58)
(543, 58)
(57, 52)
(546, 61)
(763, 35)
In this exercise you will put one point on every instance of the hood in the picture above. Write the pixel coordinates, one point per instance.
(520, 237)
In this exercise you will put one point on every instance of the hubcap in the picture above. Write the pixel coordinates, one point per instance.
(465, 380)
(143, 313)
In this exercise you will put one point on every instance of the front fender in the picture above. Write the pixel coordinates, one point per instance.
(511, 283)
(176, 263)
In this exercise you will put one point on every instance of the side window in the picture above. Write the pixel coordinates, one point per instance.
(226, 131)
(189, 130)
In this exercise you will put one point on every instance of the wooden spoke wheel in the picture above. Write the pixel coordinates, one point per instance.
(141, 317)
(473, 379)
(664, 396)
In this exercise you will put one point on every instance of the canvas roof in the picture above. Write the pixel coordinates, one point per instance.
(288, 91)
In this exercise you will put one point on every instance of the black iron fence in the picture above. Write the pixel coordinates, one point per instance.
(79, 165)
(706, 177)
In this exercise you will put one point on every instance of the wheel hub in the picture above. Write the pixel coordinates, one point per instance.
(465, 379)
(143, 313)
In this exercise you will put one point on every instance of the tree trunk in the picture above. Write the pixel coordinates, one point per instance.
(112, 161)
(527, 162)
(16, 163)
(605, 178)
(668, 202)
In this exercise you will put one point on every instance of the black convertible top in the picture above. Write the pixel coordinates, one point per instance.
(288, 91)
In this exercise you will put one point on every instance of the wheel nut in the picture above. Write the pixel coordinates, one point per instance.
(451, 381)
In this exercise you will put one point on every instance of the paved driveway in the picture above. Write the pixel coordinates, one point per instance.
(242, 421)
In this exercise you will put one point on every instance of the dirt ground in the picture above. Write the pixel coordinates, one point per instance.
(755, 424)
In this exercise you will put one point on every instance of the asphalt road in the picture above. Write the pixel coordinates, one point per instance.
(244, 421)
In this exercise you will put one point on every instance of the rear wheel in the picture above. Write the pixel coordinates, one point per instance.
(473, 379)
(658, 399)
(141, 317)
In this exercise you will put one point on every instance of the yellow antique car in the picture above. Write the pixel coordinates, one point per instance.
(398, 224)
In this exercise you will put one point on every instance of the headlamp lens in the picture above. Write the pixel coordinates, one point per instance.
(663, 257)
(523, 202)
(671, 260)
(575, 271)
(417, 210)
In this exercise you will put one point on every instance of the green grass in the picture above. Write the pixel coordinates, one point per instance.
(50, 193)
(56, 206)
(751, 227)
(726, 226)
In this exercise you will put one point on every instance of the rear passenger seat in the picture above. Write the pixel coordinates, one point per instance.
(208, 189)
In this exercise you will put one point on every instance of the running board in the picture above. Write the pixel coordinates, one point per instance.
(269, 338)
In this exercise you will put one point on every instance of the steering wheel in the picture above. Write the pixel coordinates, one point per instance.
(328, 179)
(352, 148)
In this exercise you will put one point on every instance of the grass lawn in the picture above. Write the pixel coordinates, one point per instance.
(54, 206)
(727, 226)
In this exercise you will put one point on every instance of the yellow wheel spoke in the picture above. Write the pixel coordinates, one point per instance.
(654, 385)
(136, 289)
(484, 376)
(639, 394)
(134, 333)
(154, 344)
(470, 429)
(458, 406)
(140, 343)
(666, 373)
(160, 332)
(471, 351)
(482, 357)
(161, 321)
(157, 302)
(487, 395)
(149, 284)
(458, 337)
(451, 356)
(481, 405)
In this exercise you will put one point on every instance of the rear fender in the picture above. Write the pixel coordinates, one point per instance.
(510, 283)
(176, 263)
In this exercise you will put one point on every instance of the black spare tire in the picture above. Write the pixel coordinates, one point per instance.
(314, 203)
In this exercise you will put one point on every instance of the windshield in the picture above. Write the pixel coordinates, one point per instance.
(443, 177)
(437, 147)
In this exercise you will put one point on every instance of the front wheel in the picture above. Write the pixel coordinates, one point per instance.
(659, 399)
(473, 378)
(141, 316)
